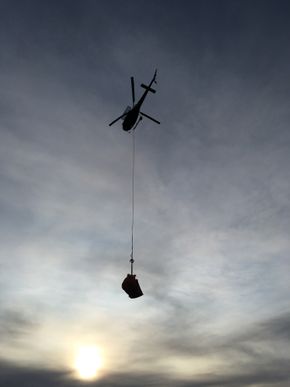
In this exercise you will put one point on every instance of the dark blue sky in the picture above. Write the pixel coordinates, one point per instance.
(212, 193)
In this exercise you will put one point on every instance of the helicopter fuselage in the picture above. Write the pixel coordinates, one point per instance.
(131, 118)
(133, 114)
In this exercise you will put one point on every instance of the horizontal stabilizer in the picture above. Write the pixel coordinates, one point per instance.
(148, 88)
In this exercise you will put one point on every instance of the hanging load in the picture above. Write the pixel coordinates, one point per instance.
(131, 286)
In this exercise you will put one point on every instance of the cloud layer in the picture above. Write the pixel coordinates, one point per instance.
(212, 192)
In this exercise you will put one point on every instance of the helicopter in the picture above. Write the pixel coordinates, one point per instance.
(131, 114)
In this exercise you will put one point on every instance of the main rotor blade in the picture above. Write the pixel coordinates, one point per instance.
(133, 90)
(150, 118)
(117, 119)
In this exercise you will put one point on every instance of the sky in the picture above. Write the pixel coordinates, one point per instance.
(212, 193)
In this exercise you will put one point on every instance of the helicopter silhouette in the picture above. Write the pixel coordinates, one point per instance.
(131, 114)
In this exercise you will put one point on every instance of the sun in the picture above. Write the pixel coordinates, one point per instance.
(88, 361)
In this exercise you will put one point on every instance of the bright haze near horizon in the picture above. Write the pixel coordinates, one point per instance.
(212, 194)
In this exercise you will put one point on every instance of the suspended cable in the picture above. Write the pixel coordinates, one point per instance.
(133, 196)
(133, 200)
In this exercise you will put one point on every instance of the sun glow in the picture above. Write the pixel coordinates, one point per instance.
(88, 362)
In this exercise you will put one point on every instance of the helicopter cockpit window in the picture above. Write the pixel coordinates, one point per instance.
(128, 108)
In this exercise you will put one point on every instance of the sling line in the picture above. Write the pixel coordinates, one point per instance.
(133, 196)
(133, 200)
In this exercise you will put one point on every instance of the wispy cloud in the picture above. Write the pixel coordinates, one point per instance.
(212, 192)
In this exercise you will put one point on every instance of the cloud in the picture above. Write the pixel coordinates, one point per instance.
(258, 353)
(14, 324)
(212, 188)
(275, 374)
